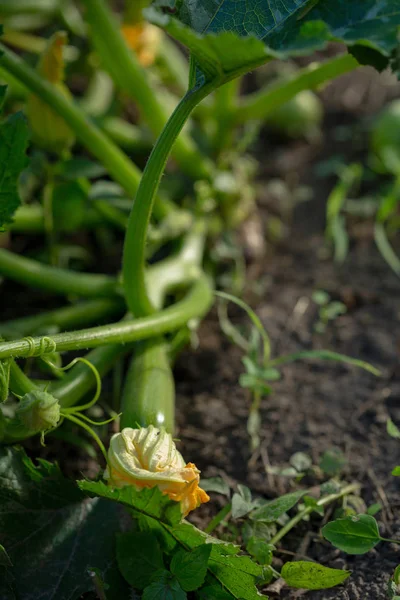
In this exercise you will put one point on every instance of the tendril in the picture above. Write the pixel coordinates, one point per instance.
(46, 346)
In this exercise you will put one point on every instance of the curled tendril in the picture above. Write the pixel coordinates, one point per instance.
(74, 413)
(46, 346)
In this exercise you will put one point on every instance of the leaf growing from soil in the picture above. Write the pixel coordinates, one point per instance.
(53, 535)
(312, 576)
(269, 513)
(354, 535)
(253, 32)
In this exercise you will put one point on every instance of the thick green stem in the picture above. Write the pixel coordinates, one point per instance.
(262, 103)
(135, 239)
(195, 304)
(116, 162)
(349, 489)
(124, 67)
(77, 315)
(149, 391)
(57, 280)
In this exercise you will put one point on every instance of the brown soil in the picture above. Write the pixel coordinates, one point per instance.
(317, 405)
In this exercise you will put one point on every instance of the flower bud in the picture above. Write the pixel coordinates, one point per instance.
(147, 458)
(144, 39)
(38, 411)
(49, 130)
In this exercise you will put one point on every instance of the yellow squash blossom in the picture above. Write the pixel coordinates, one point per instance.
(146, 458)
(144, 39)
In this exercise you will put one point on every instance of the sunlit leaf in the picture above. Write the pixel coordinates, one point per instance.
(312, 576)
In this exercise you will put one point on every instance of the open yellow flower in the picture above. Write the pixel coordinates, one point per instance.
(146, 458)
(144, 39)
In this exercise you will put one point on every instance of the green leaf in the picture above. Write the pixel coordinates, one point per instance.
(214, 592)
(260, 550)
(311, 502)
(270, 512)
(354, 535)
(392, 429)
(240, 506)
(13, 145)
(276, 29)
(139, 555)
(53, 533)
(396, 472)
(374, 509)
(332, 462)
(301, 462)
(238, 574)
(149, 502)
(217, 485)
(312, 576)
(190, 568)
(164, 588)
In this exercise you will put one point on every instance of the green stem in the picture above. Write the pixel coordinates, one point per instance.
(77, 315)
(349, 489)
(20, 384)
(57, 280)
(29, 218)
(220, 516)
(116, 162)
(135, 239)
(224, 114)
(262, 103)
(125, 69)
(89, 430)
(195, 304)
(174, 61)
(149, 391)
(126, 135)
(28, 6)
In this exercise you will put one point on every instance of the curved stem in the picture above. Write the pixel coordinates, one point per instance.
(135, 239)
(81, 314)
(129, 75)
(20, 384)
(195, 304)
(61, 281)
(260, 104)
(348, 489)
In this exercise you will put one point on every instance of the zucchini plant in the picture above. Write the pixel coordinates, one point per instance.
(74, 541)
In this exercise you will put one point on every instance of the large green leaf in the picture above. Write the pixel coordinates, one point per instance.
(161, 517)
(52, 533)
(275, 29)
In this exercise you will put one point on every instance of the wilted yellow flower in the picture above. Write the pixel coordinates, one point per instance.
(147, 458)
(144, 39)
(49, 129)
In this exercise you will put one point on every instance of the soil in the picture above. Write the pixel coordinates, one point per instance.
(317, 405)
